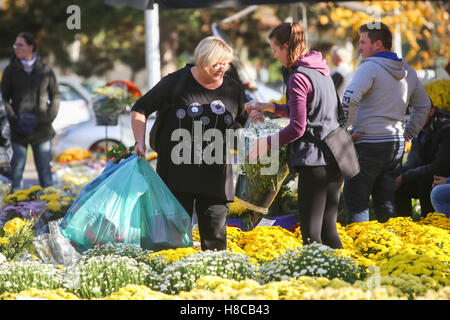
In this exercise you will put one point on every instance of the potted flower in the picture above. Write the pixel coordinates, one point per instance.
(110, 101)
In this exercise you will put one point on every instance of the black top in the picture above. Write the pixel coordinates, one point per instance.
(23, 92)
(198, 109)
(430, 151)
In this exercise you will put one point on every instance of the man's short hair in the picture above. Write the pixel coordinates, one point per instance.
(378, 31)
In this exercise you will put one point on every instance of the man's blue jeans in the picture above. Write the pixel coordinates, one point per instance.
(380, 164)
(42, 157)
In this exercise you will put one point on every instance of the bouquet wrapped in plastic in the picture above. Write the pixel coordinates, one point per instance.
(128, 203)
(256, 185)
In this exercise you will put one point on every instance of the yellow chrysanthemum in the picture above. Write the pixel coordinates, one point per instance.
(175, 254)
(267, 243)
(13, 225)
(439, 92)
(54, 206)
(35, 188)
(50, 197)
(236, 208)
(73, 155)
(137, 292)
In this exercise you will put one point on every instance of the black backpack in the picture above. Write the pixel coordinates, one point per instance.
(162, 112)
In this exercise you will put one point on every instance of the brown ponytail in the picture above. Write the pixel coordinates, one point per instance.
(291, 34)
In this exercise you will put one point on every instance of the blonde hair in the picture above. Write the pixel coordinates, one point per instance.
(210, 51)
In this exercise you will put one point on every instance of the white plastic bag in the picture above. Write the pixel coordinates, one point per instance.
(54, 248)
(62, 251)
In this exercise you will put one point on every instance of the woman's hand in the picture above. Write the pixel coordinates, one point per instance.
(255, 109)
(258, 149)
(259, 106)
(398, 182)
(256, 115)
(139, 149)
(138, 124)
(437, 180)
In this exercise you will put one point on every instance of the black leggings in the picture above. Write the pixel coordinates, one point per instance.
(318, 198)
(212, 219)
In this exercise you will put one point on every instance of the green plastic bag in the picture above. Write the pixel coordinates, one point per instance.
(131, 205)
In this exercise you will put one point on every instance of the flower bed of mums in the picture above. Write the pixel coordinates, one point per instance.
(399, 259)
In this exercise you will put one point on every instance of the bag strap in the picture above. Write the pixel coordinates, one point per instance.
(341, 113)
(341, 121)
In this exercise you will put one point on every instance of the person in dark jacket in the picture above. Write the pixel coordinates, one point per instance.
(211, 101)
(312, 108)
(429, 156)
(31, 97)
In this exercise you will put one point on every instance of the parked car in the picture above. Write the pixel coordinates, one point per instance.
(74, 107)
(97, 139)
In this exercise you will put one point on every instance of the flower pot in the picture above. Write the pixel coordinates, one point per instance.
(106, 119)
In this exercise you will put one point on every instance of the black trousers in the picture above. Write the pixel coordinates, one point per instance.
(420, 189)
(212, 219)
(318, 196)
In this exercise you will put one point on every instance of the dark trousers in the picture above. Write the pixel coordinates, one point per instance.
(318, 196)
(42, 158)
(421, 190)
(212, 222)
(379, 164)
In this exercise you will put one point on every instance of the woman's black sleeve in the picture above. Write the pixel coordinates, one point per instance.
(156, 97)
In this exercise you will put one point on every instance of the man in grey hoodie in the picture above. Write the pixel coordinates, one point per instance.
(375, 103)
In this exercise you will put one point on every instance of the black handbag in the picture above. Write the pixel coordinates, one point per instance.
(26, 123)
(341, 146)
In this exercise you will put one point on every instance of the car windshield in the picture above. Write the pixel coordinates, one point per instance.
(69, 94)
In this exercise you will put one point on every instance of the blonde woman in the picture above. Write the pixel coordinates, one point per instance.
(195, 99)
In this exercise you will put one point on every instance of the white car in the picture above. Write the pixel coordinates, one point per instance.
(97, 139)
(74, 106)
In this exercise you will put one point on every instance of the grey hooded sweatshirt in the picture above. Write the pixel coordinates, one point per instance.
(376, 100)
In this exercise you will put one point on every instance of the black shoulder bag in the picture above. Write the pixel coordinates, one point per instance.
(341, 145)
(26, 123)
